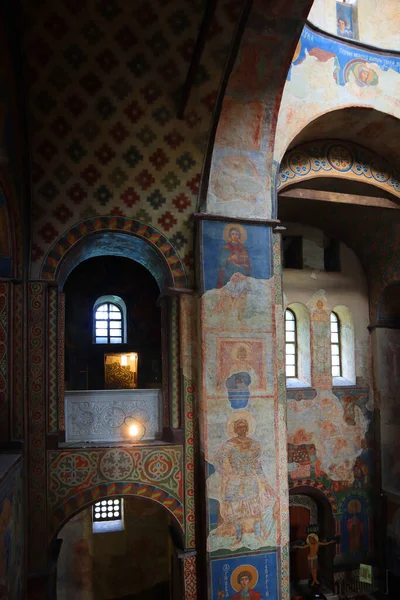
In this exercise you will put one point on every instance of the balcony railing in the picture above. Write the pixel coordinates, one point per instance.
(100, 415)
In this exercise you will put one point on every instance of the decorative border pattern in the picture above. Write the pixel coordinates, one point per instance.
(52, 418)
(18, 362)
(64, 511)
(319, 486)
(330, 158)
(174, 364)
(189, 400)
(355, 493)
(37, 426)
(189, 578)
(61, 361)
(306, 502)
(74, 476)
(121, 224)
(4, 360)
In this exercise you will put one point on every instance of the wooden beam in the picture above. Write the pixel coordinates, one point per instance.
(196, 56)
(339, 198)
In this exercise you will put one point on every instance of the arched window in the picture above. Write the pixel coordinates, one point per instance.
(290, 344)
(109, 320)
(336, 350)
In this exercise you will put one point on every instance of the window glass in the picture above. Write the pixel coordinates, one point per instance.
(108, 324)
(290, 344)
(335, 346)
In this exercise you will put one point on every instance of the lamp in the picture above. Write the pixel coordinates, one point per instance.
(134, 429)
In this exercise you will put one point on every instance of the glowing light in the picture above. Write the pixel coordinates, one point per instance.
(133, 430)
(124, 360)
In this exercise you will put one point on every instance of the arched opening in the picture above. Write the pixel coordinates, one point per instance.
(135, 562)
(310, 512)
(126, 285)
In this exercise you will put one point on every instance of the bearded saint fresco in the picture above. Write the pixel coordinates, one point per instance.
(234, 257)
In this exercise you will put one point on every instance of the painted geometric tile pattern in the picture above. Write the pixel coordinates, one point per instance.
(72, 472)
(105, 78)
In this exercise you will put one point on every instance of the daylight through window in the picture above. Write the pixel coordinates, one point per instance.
(108, 324)
(290, 344)
(335, 346)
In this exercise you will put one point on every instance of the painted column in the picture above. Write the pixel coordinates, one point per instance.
(243, 410)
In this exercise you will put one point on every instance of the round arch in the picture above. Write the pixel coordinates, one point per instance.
(338, 159)
(117, 236)
(303, 486)
(66, 510)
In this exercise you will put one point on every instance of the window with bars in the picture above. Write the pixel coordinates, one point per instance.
(108, 324)
(336, 352)
(107, 510)
(290, 344)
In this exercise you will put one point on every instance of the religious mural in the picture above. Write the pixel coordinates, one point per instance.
(11, 534)
(327, 74)
(237, 250)
(252, 577)
(373, 22)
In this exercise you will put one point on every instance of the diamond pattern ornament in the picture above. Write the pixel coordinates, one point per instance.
(105, 137)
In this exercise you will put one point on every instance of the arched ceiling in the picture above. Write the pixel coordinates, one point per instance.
(364, 126)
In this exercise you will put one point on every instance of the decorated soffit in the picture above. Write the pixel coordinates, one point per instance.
(332, 158)
(105, 78)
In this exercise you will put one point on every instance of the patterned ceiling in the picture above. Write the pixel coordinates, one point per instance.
(105, 77)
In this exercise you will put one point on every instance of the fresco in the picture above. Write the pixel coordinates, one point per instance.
(327, 74)
(374, 22)
(253, 577)
(347, 19)
(11, 534)
(354, 528)
(237, 248)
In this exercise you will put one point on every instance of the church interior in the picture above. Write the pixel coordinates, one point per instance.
(199, 299)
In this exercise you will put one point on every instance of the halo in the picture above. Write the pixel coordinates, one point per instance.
(254, 576)
(237, 416)
(354, 507)
(312, 535)
(364, 67)
(243, 232)
(297, 52)
(236, 348)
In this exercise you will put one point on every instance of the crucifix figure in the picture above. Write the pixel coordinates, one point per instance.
(313, 543)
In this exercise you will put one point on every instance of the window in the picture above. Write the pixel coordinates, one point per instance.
(108, 515)
(109, 326)
(290, 344)
(335, 346)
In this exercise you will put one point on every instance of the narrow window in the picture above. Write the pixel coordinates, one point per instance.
(290, 344)
(335, 346)
(108, 324)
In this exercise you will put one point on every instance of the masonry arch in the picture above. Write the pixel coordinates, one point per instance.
(130, 560)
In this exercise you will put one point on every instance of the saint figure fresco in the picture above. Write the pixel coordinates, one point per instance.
(246, 498)
(246, 583)
(234, 257)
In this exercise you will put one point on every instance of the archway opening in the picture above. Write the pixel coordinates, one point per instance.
(111, 309)
(132, 562)
(310, 513)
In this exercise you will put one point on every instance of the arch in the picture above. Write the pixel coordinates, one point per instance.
(338, 159)
(63, 512)
(118, 236)
(317, 486)
(389, 306)
(355, 494)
